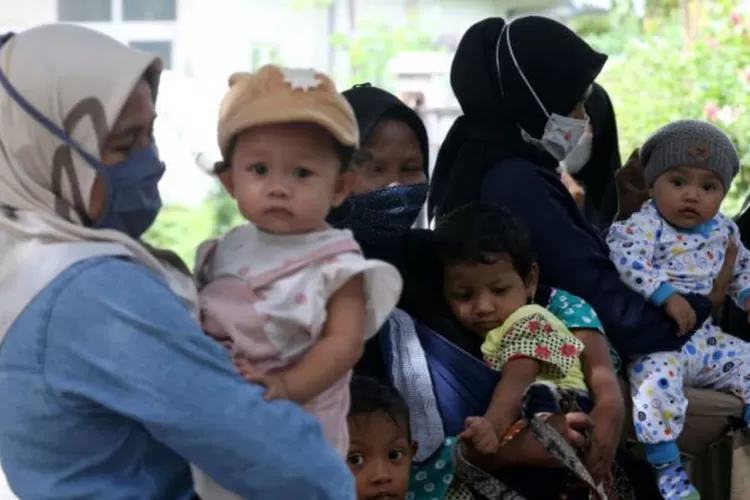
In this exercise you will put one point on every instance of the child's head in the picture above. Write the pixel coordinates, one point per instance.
(489, 269)
(286, 137)
(381, 449)
(689, 166)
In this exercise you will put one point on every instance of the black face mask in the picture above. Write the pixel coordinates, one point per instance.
(382, 213)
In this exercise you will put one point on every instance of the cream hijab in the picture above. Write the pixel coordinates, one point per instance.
(79, 80)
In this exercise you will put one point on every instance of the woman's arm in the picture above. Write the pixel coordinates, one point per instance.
(120, 340)
(597, 358)
(598, 368)
(600, 375)
(572, 257)
(608, 413)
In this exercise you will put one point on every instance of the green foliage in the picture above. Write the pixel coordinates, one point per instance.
(609, 33)
(374, 44)
(182, 229)
(659, 77)
(225, 212)
(310, 4)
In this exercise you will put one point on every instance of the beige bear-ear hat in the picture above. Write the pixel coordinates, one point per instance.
(275, 95)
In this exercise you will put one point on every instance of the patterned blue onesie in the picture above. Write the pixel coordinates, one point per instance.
(657, 260)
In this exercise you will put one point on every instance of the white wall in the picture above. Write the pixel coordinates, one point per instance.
(17, 15)
(218, 40)
(213, 37)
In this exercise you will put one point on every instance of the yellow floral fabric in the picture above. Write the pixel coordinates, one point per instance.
(534, 332)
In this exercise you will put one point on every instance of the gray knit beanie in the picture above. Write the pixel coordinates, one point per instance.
(690, 143)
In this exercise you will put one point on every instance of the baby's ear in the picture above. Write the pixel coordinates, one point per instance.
(414, 447)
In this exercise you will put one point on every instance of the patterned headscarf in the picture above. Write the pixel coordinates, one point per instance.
(78, 80)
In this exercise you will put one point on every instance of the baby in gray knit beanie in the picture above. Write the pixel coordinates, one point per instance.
(674, 245)
(685, 154)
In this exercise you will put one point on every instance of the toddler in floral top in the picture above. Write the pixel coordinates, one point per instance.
(490, 281)
(676, 244)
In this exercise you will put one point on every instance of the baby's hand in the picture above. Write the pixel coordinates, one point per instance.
(480, 435)
(747, 308)
(681, 311)
(273, 382)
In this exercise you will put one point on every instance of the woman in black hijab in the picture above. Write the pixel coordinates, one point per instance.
(597, 174)
(522, 87)
(523, 97)
(391, 190)
(392, 171)
(394, 159)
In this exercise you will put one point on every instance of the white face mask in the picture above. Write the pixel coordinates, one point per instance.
(579, 156)
(561, 133)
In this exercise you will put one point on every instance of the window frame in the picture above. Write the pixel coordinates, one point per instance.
(139, 44)
(60, 18)
(173, 7)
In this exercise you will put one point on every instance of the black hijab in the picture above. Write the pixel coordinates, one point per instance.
(372, 104)
(598, 175)
(411, 252)
(558, 65)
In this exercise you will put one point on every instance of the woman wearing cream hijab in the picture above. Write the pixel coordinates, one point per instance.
(108, 387)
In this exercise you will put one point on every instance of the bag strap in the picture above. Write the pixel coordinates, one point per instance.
(481, 485)
(489, 487)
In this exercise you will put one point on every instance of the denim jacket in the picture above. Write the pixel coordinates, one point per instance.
(109, 389)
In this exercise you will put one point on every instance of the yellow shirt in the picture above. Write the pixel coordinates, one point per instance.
(534, 332)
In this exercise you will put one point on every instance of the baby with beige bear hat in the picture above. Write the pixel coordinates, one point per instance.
(293, 299)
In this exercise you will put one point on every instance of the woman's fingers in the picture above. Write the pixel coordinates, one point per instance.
(691, 319)
(580, 425)
(579, 421)
(682, 325)
(247, 370)
(731, 255)
(630, 176)
(722, 281)
(575, 189)
(572, 427)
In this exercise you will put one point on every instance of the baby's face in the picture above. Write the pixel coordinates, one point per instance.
(286, 177)
(483, 296)
(380, 456)
(688, 196)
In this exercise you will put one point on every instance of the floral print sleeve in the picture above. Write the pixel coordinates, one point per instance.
(577, 314)
(533, 332)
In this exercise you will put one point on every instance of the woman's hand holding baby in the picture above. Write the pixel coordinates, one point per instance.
(632, 190)
(275, 383)
(575, 189)
(724, 279)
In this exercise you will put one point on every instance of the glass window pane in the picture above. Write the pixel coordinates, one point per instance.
(84, 11)
(161, 49)
(149, 10)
